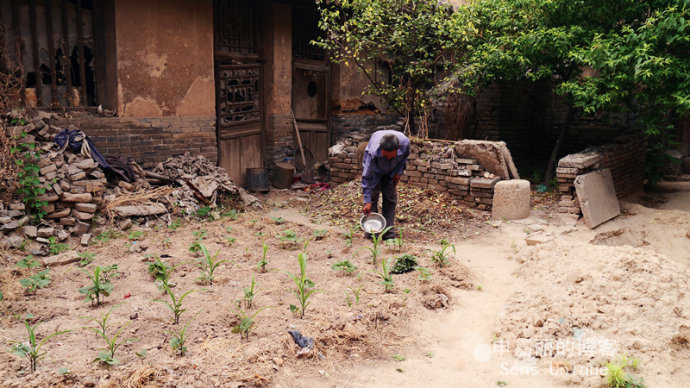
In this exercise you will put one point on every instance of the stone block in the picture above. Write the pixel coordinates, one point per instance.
(82, 215)
(581, 160)
(30, 231)
(86, 207)
(69, 197)
(538, 238)
(67, 221)
(61, 259)
(597, 197)
(85, 239)
(484, 183)
(511, 199)
(59, 213)
(46, 232)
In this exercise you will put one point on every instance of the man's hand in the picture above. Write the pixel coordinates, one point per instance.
(367, 208)
(396, 179)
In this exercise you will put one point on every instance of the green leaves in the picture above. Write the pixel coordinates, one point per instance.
(36, 281)
(305, 287)
(100, 286)
(32, 351)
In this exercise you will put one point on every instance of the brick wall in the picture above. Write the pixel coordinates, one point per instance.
(432, 165)
(280, 142)
(150, 140)
(625, 159)
(345, 124)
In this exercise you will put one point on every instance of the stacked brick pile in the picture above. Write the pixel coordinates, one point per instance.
(431, 165)
(625, 160)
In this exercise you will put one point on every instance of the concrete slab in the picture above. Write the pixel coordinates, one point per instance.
(581, 160)
(597, 197)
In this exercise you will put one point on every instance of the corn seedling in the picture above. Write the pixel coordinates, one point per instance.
(208, 265)
(99, 286)
(424, 273)
(305, 287)
(264, 259)
(288, 238)
(32, 351)
(246, 322)
(85, 258)
(249, 294)
(175, 304)
(177, 342)
(355, 293)
(28, 262)
(344, 266)
(376, 249)
(199, 235)
(386, 276)
(36, 281)
(396, 242)
(439, 257)
(112, 340)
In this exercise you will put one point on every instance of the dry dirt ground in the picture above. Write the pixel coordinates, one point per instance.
(549, 315)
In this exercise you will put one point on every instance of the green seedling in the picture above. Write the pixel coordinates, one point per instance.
(199, 235)
(616, 376)
(228, 229)
(246, 322)
(99, 286)
(355, 293)
(109, 271)
(32, 351)
(232, 214)
(249, 294)
(386, 276)
(439, 257)
(208, 265)
(399, 358)
(113, 342)
(376, 249)
(175, 304)
(319, 234)
(424, 273)
(161, 272)
(396, 242)
(174, 224)
(259, 234)
(135, 235)
(404, 264)
(204, 212)
(28, 262)
(264, 259)
(288, 238)
(230, 240)
(349, 235)
(36, 281)
(305, 287)
(86, 258)
(165, 244)
(63, 371)
(177, 342)
(106, 236)
(344, 266)
(278, 220)
(56, 248)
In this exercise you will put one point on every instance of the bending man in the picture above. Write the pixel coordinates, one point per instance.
(385, 159)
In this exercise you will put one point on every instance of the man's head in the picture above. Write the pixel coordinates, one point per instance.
(389, 146)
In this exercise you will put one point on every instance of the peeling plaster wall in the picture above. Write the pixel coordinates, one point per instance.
(165, 58)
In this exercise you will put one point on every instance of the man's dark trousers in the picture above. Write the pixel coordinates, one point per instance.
(390, 200)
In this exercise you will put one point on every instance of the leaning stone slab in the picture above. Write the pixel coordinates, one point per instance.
(141, 210)
(597, 197)
(494, 156)
(61, 259)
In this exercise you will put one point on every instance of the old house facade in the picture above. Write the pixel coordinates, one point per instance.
(220, 78)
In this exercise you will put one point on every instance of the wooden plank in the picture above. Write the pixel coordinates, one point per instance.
(67, 66)
(229, 158)
(34, 49)
(51, 50)
(19, 43)
(80, 43)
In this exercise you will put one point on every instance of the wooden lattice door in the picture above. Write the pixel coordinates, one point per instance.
(239, 97)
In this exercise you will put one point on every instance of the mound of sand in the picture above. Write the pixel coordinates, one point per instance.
(587, 304)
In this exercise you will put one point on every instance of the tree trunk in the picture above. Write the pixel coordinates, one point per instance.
(551, 165)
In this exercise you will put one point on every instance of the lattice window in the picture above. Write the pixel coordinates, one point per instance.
(240, 94)
(305, 28)
(236, 26)
(52, 44)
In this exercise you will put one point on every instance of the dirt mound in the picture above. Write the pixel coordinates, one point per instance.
(590, 304)
(418, 209)
(620, 237)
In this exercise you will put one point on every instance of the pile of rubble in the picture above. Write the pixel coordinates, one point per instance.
(77, 188)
